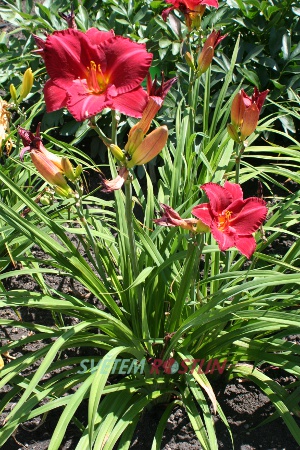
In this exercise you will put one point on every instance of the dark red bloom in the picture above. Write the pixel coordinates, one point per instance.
(231, 219)
(94, 70)
(189, 8)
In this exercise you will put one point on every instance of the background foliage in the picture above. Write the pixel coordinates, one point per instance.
(219, 305)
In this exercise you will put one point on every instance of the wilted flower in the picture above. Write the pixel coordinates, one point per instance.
(231, 219)
(50, 166)
(4, 125)
(206, 56)
(245, 112)
(94, 70)
(193, 10)
(170, 218)
(69, 18)
(115, 184)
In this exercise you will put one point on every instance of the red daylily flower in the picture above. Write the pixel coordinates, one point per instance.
(245, 112)
(94, 70)
(231, 219)
(192, 9)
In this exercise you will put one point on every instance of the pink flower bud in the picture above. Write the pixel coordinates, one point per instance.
(150, 147)
(50, 171)
(245, 113)
(206, 56)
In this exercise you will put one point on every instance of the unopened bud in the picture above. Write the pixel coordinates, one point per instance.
(67, 168)
(233, 133)
(48, 169)
(27, 84)
(205, 59)
(13, 94)
(150, 147)
(45, 200)
(135, 138)
(250, 120)
(189, 60)
(117, 152)
(78, 171)
(64, 192)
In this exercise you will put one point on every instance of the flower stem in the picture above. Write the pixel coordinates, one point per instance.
(136, 307)
(192, 258)
(239, 153)
(94, 126)
(91, 239)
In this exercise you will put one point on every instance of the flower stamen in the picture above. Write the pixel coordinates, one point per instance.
(96, 81)
(224, 220)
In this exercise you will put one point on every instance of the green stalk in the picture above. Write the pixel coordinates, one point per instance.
(94, 126)
(192, 258)
(239, 153)
(83, 221)
(131, 238)
(136, 308)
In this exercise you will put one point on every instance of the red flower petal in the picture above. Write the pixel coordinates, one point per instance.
(55, 97)
(235, 190)
(259, 97)
(83, 104)
(246, 245)
(131, 103)
(204, 213)
(225, 240)
(96, 36)
(219, 197)
(64, 56)
(251, 216)
(127, 62)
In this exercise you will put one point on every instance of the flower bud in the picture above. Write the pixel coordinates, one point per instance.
(205, 59)
(152, 107)
(63, 192)
(13, 94)
(67, 168)
(117, 152)
(150, 147)
(27, 84)
(49, 171)
(78, 171)
(45, 200)
(245, 112)
(237, 110)
(189, 60)
(206, 56)
(135, 138)
(56, 160)
(250, 121)
(233, 133)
